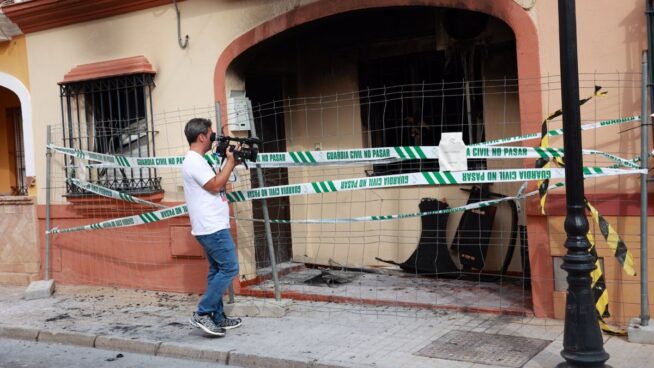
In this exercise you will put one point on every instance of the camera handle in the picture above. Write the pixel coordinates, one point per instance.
(231, 148)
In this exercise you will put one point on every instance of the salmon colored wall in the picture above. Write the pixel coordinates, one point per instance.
(623, 289)
(171, 259)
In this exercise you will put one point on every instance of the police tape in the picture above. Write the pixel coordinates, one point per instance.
(396, 154)
(109, 161)
(420, 178)
(345, 157)
(110, 193)
(557, 132)
(181, 210)
(470, 206)
(598, 284)
(615, 243)
(435, 178)
(144, 218)
(360, 156)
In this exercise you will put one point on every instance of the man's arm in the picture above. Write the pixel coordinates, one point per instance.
(218, 182)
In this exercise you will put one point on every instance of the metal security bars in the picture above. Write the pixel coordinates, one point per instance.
(113, 116)
(14, 115)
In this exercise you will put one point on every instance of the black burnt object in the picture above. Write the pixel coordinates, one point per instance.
(432, 256)
(474, 232)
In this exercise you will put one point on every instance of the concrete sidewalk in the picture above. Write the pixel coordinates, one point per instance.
(309, 335)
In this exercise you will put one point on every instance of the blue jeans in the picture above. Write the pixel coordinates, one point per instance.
(223, 267)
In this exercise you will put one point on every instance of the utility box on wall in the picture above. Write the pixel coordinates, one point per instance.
(239, 112)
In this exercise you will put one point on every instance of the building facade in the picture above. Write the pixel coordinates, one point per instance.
(276, 50)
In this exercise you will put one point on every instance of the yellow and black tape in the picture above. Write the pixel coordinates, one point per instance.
(600, 293)
(624, 257)
(543, 184)
(598, 283)
(615, 243)
(545, 143)
(598, 286)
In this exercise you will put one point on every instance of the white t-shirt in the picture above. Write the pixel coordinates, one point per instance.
(209, 212)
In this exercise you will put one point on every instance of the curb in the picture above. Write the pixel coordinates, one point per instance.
(155, 348)
(181, 351)
(19, 333)
(67, 338)
(134, 346)
(249, 360)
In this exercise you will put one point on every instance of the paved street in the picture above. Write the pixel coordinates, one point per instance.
(310, 334)
(24, 354)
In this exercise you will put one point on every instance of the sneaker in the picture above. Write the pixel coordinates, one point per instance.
(229, 323)
(206, 324)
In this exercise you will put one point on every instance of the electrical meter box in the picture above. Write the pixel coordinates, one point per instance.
(239, 112)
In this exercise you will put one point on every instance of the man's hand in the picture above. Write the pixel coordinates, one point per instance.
(219, 181)
(230, 154)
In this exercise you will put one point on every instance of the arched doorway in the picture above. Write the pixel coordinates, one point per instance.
(16, 113)
(20, 254)
(507, 10)
(528, 105)
(12, 158)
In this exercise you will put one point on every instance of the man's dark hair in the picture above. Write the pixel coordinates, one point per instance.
(195, 127)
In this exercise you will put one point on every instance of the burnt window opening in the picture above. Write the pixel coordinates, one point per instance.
(113, 116)
(409, 100)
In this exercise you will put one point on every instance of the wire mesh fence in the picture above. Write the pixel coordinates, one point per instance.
(336, 234)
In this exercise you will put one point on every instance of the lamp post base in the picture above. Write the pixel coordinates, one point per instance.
(567, 365)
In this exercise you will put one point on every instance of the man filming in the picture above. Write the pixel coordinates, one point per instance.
(204, 190)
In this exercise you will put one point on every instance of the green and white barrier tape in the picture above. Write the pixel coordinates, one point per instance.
(425, 178)
(119, 161)
(556, 132)
(144, 218)
(181, 210)
(110, 193)
(400, 216)
(395, 154)
(361, 156)
(620, 162)
(422, 178)
(355, 156)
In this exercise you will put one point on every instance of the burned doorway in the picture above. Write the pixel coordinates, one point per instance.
(399, 49)
(265, 93)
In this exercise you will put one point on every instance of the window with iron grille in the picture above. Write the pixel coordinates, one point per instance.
(113, 116)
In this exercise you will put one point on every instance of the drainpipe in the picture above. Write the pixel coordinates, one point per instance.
(649, 12)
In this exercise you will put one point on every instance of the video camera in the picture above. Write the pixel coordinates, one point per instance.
(248, 151)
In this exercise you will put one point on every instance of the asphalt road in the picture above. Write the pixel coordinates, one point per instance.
(24, 354)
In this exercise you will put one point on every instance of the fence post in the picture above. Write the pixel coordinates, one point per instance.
(644, 154)
(266, 218)
(48, 179)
